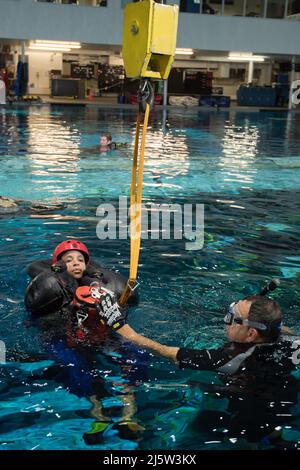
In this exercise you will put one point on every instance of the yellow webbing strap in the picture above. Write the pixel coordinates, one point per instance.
(135, 204)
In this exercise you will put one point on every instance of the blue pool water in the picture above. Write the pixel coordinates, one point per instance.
(245, 169)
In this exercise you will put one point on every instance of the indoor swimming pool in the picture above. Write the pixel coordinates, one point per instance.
(244, 167)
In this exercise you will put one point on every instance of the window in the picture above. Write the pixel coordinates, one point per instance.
(236, 8)
(86, 3)
(276, 9)
(189, 6)
(249, 8)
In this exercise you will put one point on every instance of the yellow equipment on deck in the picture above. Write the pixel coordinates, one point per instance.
(149, 39)
(149, 43)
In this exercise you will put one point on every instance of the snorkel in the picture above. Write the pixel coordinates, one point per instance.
(272, 285)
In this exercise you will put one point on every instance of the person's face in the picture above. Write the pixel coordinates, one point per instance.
(241, 333)
(104, 141)
(75, 263)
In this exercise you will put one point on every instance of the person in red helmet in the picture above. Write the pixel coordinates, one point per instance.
(61, 303)
(54, 282)
(75, 255)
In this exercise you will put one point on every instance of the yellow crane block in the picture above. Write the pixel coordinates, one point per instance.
(149, 39)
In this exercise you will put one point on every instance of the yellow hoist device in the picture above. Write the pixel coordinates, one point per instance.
(149, 43)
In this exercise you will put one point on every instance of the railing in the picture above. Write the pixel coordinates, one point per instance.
(85, 3)
(278, 9)
(249, 8)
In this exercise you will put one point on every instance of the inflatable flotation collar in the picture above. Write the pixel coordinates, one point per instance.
(50, 291)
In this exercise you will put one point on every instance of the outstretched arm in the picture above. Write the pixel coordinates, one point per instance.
(115, 317)
(167, 351)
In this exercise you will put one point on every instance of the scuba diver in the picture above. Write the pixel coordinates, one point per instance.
(256, 368)
(62, 300)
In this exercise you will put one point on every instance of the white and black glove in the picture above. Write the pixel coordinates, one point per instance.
(111, 313)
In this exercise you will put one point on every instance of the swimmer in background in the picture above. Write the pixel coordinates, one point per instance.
(106, 143)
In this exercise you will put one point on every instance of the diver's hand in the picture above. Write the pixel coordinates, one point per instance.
(111, 313)
(59, 267)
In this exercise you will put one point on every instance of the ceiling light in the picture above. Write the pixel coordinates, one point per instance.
(63, 46)
(57, 43)
(58, 46)
(184, 51)
(38, 47)
(45, 46)
(245, 57)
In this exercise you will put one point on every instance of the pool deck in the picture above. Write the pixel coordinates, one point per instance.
(109, 101)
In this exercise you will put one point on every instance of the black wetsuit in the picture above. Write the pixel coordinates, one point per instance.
(234, 357)
(258, 381)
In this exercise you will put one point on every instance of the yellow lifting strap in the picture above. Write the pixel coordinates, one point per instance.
(135, 204)
(149, 43)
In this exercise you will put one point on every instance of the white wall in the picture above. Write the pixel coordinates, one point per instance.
(217, 33)
(26, 19)
(40, 63)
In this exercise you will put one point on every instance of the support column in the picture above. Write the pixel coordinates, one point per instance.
(244, 7)
(23, 47)
(21, 84)
(2, 92)
(201, 7)
(265, 9)
(165, 102)
(250, 71)
(223, 7)
(268, 74)
(286, 8)
(292, 79)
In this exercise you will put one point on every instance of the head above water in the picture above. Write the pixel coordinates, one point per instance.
(75, 255)
(255, 319)
(106, 140)
(75, 262)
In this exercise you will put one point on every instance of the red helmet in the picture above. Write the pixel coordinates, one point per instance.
(70, 245)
